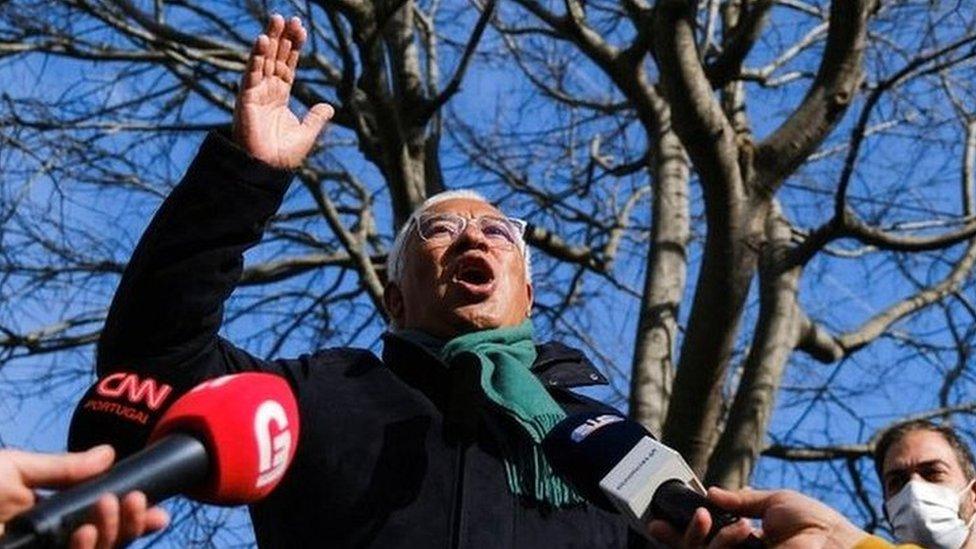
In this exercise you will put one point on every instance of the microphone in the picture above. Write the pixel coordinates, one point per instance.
(618, 466)
(229, 441)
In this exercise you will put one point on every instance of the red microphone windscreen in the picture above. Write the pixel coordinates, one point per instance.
(249, 423)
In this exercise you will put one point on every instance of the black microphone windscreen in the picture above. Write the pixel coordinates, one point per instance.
(583, 448)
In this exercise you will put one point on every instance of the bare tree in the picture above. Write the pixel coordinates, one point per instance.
(773, 202)
(810, 164)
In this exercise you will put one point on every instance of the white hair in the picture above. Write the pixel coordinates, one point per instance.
(394, 260)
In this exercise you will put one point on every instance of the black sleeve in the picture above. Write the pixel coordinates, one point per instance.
(168, 308)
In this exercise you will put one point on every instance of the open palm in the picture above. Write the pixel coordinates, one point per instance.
(263, 124)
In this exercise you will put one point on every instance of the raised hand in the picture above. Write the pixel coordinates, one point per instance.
(263, 124)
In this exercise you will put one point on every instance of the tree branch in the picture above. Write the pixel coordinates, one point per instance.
(698, 118)
(363, 263)
(652, 368)
(870, 330)
(855, 451)
(454, 84)
(859, 132)
(826, 101)
(282, 269)
(777, 332)
(737, 46)
(819, 343)
(553, 245)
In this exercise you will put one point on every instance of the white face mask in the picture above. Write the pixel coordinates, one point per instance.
(928, 514)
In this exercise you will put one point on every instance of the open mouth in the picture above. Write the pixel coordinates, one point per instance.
(475, 273)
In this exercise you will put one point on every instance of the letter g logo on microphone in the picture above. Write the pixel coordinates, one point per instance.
(250, 422)
(273, 448)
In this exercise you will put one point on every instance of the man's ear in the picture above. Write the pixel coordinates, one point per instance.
(971, 493)
(393, 303)
(528, 294)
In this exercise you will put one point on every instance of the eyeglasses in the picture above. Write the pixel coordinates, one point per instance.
(444, 228)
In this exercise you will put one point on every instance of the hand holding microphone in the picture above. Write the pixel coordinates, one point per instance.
(112, 520)
(228, 441)
(617, 465)
(790, 520)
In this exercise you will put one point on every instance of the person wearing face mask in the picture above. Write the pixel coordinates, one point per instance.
(927, 475)
(928, 479)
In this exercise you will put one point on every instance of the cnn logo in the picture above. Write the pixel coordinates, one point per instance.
(135, 390)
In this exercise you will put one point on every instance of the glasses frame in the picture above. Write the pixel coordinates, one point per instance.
(520, 226)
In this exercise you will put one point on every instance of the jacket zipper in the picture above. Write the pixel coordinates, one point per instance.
(458, 510)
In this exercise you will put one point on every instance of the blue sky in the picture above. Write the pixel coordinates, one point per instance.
(915, 166)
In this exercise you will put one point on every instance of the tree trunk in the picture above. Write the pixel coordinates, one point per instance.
(664, 285)
(777, 331)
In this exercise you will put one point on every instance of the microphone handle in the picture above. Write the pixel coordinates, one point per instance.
(675, 503)
(171, 465)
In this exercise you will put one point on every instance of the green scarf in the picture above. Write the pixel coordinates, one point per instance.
(506, 356)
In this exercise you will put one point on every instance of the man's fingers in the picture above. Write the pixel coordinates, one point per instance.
(258, 51)
(664, 533)
(113, 523)
(59, 470)
(15, 500)
(282, 70)
(156, 519)
(316, 119)
(297, 43)
(295, 33)
(84, 537)
(133, 523)
(268, 67)
(701, 523)
(276, 25)
(292, 62)
(275, 52)
(746, 503)
(106, 520)
(732, 535)
(255, 64)
(694, 535)
(288, 47)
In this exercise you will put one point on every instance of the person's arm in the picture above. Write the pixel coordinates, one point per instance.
(789, 520)
(168, 308)
(111, 523)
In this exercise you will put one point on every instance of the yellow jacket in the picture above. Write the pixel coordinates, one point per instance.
(874, 542)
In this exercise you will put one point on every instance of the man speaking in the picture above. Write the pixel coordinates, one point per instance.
(436, 444)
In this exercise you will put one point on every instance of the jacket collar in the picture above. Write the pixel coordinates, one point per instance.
(559, 365)
(556, 365)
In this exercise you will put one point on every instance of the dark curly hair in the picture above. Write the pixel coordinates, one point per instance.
(895, 433)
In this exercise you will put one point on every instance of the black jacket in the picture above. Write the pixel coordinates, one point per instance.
(393, 452)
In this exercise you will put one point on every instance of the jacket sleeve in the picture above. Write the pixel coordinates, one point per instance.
(168, 307)
(874, 542)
